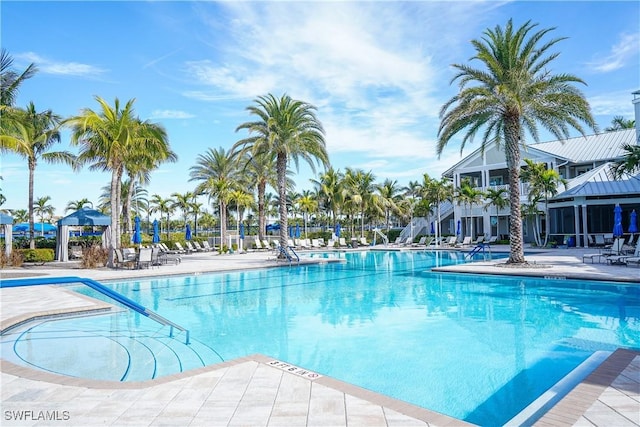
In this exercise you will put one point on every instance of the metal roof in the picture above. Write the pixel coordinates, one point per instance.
(601, 181)
(590, 148)
(5, 219)
(86, 216)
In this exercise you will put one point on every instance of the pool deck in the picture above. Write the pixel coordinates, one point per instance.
(256, 390)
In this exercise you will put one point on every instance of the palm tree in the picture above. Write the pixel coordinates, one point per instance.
(389, 196)
(630, 163)
(330, 188)
(619, 123)
(217, 174)
(42, 208)
(438, 191)
(183, 202)
(307, 204)
(544, 184)
(195, 208)
(361, 188)
(32, 134)
(109, 138)
(287, 129)
(469, 195)
(20, 215)
(76, 205)
(496, 197)
(515, 92)
(10, 80)
(162, 205)
(242, 200)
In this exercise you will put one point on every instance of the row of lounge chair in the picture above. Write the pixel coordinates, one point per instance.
(451, 241)
(618, 253)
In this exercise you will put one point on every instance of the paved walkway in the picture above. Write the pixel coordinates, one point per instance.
(256, 390)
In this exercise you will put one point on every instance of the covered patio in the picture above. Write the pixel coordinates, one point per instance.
(83, 217)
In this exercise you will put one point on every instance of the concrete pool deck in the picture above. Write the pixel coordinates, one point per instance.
(251, 390)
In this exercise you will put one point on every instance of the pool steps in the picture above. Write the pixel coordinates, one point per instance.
(34, 281)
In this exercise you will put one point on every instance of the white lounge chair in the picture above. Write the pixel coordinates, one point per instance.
(614, 250)
(622, 259)
(465, 242)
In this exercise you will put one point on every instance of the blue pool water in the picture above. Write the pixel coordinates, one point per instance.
(475, 347)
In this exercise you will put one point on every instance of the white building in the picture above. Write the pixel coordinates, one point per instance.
(584, 207)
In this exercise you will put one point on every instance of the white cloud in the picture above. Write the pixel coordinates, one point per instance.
(612, 104)
(60, 68)
(621, 53)
(170, 114)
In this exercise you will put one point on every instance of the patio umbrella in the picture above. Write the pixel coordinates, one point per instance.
(291, 231)
(433, 231)
(458, 230)
(241, 231)
(297, 231)
(337, 230)
(187, 232)
(156, 232)
(617, 221)
(137, 238)
(633, 222)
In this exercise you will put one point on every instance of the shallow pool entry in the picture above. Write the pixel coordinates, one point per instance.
(114, 347)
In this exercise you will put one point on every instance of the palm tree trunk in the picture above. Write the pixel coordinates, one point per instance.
(127, 207)
(281, 168)
(32, 240)
(512, 154)
(113, 242)
(261, 211)
(223, 223)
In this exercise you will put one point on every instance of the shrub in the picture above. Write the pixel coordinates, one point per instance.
(16, 259)
(94, 256)
(36, 255)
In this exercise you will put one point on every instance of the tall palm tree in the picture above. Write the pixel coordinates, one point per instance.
(544, 184)
(361, 188)
(514, 92)
(195, 208)
(42, 208)
(108, 139)
(10, 80)
(619, 123)
(242, 201)
(217, 174)
(32, 134)
(289, 130)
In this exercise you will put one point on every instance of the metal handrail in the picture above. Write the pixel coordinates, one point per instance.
(103, 290)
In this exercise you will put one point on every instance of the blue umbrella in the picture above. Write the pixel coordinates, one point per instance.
(633, 222)
(156, 232)
(297, 231)
(187, 232)
(242, 231)
(137, 238)
(458, 231)
(617, 222)
(291, 231)
(337, 230)
(433, 231)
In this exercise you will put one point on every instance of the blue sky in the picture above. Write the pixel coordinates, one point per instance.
(378, 72)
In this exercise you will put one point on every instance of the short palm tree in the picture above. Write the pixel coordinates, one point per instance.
(619, 123)
(513, 93)
(307, 204)
(438, 191)
(630, 163)
(76, 205)
(31, 135)
(162, 205)
(497, 197)
(288, 129)
(330, 188)
(389, 196)
(544, 184)
(42, 208)
(469, 195)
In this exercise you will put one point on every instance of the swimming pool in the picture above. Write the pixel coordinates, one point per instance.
(479, 348)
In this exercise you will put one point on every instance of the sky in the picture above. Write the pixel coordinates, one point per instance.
(378, 73)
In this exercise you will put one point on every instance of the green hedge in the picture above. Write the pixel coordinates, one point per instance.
(37, 255)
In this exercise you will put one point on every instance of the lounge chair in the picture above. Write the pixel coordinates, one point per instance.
(331, 243)
(206, 245)
(75, 252)
(465, 242)
(420, 241)
(342, 242)
(315, 244)
(614, 250)
(622, 259)
(121, 261)
(181, 249)
(363, 241)
(144, 257)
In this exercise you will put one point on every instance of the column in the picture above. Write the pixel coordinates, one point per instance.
(584, 226)
(576, 224)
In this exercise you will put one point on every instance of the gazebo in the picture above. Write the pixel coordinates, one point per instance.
(7, 224)
(82, 217)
